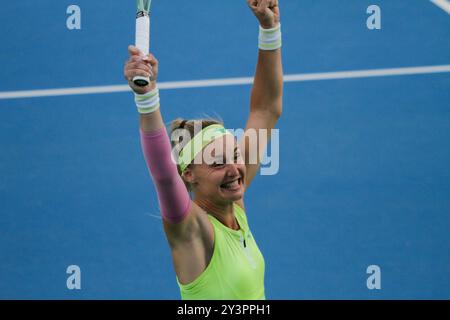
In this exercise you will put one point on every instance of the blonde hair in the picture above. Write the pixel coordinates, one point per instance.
(189, 125)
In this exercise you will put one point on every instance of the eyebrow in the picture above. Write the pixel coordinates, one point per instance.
(221, 155)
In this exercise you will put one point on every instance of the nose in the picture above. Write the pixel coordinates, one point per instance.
(232, 170)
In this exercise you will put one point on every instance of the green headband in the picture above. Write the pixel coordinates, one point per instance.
(200, 140)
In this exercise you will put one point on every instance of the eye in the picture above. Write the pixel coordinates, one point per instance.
(217, 165)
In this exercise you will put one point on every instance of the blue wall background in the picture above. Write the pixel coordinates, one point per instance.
(364, 163)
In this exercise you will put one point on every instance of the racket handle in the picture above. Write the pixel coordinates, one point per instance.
(142, 43)
(141, 81)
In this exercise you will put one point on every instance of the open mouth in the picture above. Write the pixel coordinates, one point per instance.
(232, 185)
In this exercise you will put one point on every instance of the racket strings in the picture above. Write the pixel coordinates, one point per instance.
(143, 5)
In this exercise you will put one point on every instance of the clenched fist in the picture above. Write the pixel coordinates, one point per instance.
(266, 11)
(138, 65)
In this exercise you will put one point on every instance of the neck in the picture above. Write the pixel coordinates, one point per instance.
(222, 212)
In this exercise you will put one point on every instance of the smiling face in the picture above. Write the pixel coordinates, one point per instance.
(220, 174)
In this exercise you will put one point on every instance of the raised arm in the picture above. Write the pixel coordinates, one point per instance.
(188, 230)
(172, 194)
(267, 91)
(267, 88)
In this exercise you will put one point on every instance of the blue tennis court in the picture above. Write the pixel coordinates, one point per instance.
(364, 171)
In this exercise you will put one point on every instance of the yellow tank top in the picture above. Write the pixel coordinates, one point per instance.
(236, 269)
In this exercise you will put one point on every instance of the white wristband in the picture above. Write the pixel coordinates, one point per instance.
(270, 39)
(148, 102)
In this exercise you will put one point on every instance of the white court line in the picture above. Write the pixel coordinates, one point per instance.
(443, 4)
(228, 82)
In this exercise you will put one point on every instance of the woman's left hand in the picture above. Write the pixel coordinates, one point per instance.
(266, 11)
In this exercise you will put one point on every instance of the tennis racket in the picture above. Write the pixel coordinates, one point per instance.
(142, 35)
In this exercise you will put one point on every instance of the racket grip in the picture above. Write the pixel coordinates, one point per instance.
(142, 43)
(141, 81)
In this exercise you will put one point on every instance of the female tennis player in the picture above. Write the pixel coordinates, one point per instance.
(214, 253)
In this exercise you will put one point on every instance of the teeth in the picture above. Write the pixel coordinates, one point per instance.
(233, 184)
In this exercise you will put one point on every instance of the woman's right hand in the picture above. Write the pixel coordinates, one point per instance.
(138, 65)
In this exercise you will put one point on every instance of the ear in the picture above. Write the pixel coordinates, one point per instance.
(188, 176)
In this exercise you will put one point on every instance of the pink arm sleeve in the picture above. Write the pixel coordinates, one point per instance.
(173, 196)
